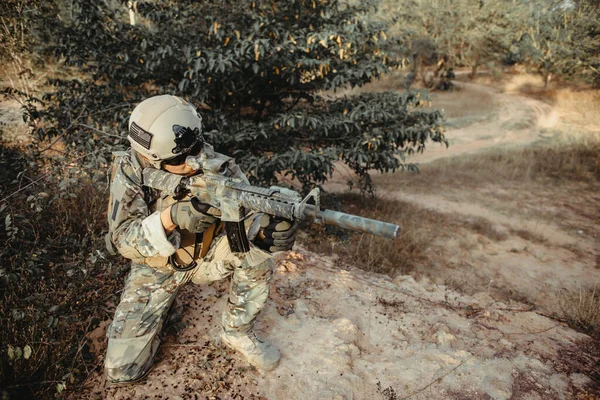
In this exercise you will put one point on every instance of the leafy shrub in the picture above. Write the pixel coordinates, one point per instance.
(263, 73)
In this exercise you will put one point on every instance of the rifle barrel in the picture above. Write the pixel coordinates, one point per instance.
(354, 222)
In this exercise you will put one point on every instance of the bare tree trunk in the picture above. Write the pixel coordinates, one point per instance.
(473, 73)
(547, 80)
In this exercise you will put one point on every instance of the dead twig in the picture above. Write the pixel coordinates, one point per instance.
(437, 380)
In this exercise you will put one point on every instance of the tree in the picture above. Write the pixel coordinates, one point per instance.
(470, 33)
(563, 39)
(550, 37)
(264, 74)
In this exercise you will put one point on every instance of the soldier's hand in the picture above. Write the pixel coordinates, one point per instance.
(276, 234)
(194, 216)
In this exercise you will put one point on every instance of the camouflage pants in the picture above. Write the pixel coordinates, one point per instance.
(133, 336)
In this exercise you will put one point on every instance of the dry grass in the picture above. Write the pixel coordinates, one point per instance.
(554, 183)
(54, 282)
(530, 236)
(414, 252)
(484, 227)
(408, 253)
(581, 309)
(581, 107)
(577, 160)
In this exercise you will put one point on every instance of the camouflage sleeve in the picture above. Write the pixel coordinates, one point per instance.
(135, 232)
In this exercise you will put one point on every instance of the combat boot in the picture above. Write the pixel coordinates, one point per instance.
(259, 353)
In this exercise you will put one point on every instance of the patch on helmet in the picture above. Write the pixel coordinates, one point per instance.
(184, 138)
(140, 136)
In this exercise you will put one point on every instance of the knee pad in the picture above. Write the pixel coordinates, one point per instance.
(129, 360)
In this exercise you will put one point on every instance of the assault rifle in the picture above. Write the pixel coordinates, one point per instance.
(221, 184)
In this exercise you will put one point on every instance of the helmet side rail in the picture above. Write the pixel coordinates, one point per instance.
(235, 198)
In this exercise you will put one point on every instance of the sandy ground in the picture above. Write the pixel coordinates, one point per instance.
(516, 120)
(347, 334)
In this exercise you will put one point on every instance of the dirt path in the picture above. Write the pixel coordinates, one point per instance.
(539, 257)
(516, 120)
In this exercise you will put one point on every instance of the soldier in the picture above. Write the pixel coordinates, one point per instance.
(175, 241)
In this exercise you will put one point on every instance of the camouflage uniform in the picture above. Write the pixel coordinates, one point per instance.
(137, 233)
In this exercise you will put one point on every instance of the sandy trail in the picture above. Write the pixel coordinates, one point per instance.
(533, 268)
(516, 121)
(347, 334)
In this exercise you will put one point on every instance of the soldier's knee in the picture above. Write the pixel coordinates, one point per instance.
(130, 359)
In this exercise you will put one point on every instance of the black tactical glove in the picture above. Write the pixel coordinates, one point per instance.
(276, 234)
(194, 216)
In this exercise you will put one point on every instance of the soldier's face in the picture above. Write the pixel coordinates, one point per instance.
(177, 165)
(181, 169)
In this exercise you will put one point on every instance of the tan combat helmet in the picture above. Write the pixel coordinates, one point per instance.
(164, 127)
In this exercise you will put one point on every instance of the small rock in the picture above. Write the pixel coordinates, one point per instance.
(444, 338)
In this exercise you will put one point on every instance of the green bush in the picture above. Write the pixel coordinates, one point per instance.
(263, 73)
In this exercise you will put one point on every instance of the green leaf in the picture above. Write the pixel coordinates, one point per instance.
(60, 387)
(27, 352)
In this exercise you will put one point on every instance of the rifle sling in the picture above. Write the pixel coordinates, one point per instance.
(208, 236)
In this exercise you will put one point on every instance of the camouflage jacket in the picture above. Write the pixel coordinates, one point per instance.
(134, 224)
(135, 228)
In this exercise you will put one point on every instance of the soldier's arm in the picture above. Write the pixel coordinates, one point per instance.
(135, 232)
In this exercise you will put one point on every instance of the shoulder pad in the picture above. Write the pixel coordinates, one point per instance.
(130, 168)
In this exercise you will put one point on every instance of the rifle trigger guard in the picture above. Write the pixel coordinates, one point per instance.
(314, 194)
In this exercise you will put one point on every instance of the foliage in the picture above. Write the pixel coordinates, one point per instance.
(53, 287)
(469, 33)
(264, 74)
(551, 37)
(561, 39)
